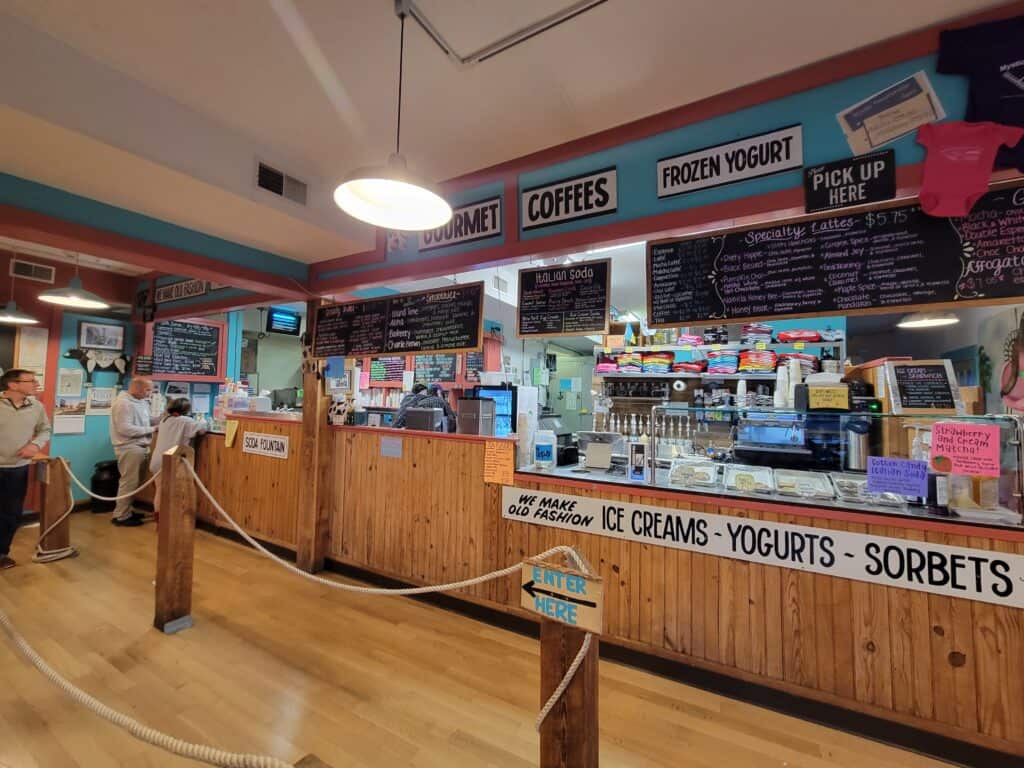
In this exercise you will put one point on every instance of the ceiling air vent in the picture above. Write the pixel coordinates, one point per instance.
(500, 284)
(28, 270)
(281, 184)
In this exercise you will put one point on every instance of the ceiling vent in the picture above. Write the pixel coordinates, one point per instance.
(27, 270)
(500, 284)
(280, 184)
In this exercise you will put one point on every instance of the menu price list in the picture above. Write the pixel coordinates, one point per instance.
(387, 368)
(890, 258)
(444, 319)
(183, 348)
(570, 299)
(924, 386)
(474, 365)
(430, 368)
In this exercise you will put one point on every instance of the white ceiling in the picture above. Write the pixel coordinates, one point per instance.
(312, 84)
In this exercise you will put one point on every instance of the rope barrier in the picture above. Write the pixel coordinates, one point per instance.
(79, 483)
(152, 736)
(569, 552)
(232, 760)
(53, 555)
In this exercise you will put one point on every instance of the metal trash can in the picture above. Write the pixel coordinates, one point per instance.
(104, 482)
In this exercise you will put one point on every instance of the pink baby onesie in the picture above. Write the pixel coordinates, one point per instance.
(959, 163)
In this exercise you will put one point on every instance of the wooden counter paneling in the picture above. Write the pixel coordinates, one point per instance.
(260, 492)
(953, 666)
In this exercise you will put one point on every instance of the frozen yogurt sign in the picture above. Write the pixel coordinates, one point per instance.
(761, 155)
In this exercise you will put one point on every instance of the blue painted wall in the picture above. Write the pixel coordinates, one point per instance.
(83, 451)
(82, 210)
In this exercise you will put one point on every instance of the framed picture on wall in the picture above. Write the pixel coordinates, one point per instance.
(100, 336)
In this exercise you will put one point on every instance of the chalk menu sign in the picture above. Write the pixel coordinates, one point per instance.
(431, 368)
(923, 387)
(474, 365)
(567, 300)
(892, 258)
(186, 348)
(441, 320)
(386, 368)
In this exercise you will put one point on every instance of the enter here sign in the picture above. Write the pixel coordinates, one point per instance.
(564, 595)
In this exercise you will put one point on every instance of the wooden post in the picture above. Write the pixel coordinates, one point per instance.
(53, 502)
(313, 524)
(176, 542)
(569, 735)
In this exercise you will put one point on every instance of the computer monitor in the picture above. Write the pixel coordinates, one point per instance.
(505, 407)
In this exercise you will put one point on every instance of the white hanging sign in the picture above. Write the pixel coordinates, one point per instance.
(275, 446)
(972, 574)
(750, 158)
(580, 197)
(468, 223)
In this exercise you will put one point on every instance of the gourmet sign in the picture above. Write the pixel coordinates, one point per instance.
(580, 197)
(973, 574)
(761, 155)
(468, 223)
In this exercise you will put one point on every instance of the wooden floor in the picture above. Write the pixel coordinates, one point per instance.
(281, 666)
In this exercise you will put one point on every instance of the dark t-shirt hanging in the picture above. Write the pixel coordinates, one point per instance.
(992, 57)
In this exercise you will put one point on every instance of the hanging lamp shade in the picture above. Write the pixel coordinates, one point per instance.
(390, 197)
(11, 315)
(74, 296)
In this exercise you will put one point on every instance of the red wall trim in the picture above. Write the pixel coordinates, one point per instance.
(31, 226)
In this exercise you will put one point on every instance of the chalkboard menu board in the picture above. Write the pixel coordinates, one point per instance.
(441, 320)
(386, 369)
(434, 368)
(186, 348)
(923, 386)
(474, 364)
(890, 258)
(566, 300)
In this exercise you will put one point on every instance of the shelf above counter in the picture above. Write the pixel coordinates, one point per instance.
(684, 375)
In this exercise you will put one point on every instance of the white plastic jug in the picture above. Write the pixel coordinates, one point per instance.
(544, 449)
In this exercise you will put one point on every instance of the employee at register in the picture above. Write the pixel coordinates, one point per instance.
(434, 397)
(408, 402)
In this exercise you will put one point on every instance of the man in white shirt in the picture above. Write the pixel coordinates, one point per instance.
(131, 430)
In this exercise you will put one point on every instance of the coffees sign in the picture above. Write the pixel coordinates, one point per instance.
(570, 199)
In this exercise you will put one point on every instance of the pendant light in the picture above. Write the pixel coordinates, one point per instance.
(74, 296)
(389, 196)
(11, 315)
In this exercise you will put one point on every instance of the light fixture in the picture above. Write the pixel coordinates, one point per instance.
(389, 196)
(928, 320)
(11, 315)
(74, 296)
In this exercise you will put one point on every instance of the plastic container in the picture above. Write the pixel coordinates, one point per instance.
(104, 482)
(544, 449)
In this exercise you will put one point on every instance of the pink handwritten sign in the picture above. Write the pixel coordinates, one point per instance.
(965, 449)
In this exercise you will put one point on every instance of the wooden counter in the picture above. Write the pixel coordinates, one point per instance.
(260, 492)
(950, 665)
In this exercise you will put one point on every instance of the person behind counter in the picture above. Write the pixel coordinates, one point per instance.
(434, 397)
(408, 402)
(176, 428)
(131, 429)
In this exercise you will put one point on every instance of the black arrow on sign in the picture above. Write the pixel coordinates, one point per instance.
(533, 591)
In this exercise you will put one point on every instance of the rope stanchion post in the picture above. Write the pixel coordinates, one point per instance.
(569, 733)
(54, 494)
(175, 542)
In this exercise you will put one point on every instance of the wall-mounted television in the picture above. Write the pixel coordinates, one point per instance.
(283, 321)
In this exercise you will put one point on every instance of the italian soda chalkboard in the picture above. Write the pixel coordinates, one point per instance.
(440, 320)
(883, 259)
(567, 300)
(187, 348)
